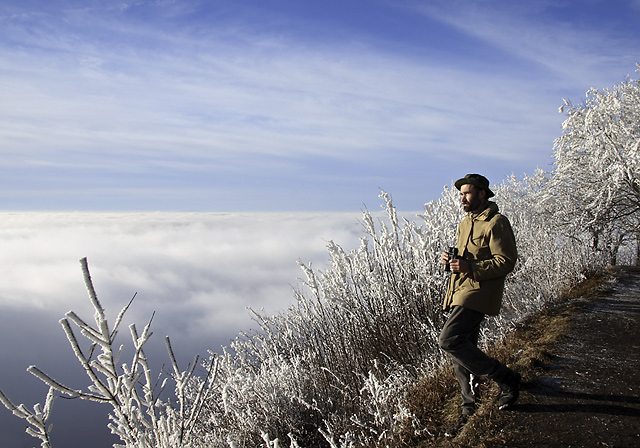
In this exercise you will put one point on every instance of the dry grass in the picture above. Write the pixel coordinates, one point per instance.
(435, 401)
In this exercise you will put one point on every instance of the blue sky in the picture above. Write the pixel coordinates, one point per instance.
(289, 105)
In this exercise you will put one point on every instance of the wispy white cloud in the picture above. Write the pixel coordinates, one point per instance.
(558, 36)
(150, 99)
(224, 95)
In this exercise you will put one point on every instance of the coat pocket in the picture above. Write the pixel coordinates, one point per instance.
(469, 284)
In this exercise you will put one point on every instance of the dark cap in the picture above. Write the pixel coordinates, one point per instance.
(477, 180)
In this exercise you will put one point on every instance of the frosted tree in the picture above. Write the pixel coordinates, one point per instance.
(138, 415)
(38, 419)
(595, 186)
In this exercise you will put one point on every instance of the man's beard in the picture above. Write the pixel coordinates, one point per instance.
(470, 206)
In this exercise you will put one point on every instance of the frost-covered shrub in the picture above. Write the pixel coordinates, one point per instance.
(370, 311)
(138, 416)
(366, 328)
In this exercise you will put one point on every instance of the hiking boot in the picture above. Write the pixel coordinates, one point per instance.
(509, 389)
(453, 430)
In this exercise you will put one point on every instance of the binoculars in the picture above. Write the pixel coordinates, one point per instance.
(453, 254)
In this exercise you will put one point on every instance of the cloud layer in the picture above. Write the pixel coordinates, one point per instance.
(197, 271)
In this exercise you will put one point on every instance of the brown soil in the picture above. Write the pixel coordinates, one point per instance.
(581, 378)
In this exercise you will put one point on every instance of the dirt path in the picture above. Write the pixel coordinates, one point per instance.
(587, 392)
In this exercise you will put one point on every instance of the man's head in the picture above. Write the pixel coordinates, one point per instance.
(474, 191)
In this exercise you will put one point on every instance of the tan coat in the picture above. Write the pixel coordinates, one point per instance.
(488, 244)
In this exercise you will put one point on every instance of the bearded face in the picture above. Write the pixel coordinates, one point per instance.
(472, 197)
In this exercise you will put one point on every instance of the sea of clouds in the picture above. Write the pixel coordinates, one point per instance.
(197, 271)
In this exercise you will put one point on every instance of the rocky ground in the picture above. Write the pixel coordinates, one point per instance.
(581, 369)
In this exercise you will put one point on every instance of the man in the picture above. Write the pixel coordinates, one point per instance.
(486, 254)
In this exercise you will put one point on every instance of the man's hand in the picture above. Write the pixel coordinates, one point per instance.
(459, 265)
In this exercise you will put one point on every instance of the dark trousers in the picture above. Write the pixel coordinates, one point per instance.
(459, 338)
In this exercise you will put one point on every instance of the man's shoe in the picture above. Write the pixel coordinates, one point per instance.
(453, 430)
(509, 390)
